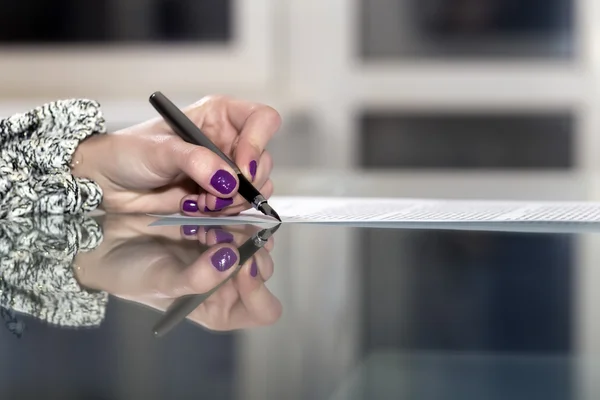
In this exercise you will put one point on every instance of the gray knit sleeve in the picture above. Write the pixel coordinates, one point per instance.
(36, 148)
(36, 271)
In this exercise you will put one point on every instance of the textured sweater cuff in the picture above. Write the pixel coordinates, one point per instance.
(36, 271)
(36, 149)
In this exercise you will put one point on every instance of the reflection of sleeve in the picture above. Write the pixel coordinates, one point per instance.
(36, 148)
(36, 271)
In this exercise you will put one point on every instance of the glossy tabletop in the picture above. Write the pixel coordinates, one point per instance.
(319, 312)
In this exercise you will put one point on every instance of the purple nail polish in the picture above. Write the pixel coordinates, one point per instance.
(253, 169)
(189, 230)
(190, 206)
(222, 203)
(223, 181)
(223, 259)
(253, 269)
(206, 209)
(223, 236)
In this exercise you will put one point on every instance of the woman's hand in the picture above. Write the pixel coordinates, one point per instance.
(156, 265)
(148, 169)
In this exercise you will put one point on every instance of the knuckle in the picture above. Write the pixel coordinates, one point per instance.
(272, 314)
(268, 189)
(213, 119)
(267, 270)
(210, 99)
(210, 323)
(267, 160)
(210, 112)
(271, 116)
(198, 280)
(217, 319)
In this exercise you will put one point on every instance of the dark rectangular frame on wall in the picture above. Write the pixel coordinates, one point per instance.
(473, 140)
(111, 22)
(459, 29)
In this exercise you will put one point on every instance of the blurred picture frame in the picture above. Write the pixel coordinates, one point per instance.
(109, 70)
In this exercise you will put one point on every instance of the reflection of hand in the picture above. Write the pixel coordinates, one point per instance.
(156, 265)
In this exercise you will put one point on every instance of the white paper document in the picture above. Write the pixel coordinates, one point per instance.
(390, 211)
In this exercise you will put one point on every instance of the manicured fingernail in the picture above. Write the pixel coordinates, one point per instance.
(222, 203)
(190, 206)
(223, 236)
(189, 230)
(223, 181)
(253, 169)
(253, 269)
(223, 259)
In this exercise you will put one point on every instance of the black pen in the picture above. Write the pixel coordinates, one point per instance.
(189, 132)
(183, 306)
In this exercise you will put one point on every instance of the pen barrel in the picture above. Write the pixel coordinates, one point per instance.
(248, 249)
(251, 194)
(177, 312)
(184, 127)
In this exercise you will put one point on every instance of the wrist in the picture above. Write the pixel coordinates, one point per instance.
(87, 159)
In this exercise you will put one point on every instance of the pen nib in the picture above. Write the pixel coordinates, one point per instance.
(268, 211)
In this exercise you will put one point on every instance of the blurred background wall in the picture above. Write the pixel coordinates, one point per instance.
(395, 85)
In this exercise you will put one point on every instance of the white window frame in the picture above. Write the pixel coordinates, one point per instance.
(106, 72)
(342, 83)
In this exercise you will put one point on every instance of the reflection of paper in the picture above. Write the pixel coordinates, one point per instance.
(377, 210)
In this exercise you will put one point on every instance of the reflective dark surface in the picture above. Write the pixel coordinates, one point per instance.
(320, 312)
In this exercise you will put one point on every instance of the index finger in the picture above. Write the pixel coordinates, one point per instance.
(257, 123)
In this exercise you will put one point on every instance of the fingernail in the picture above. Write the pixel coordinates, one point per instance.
(223, 181)
(223, 259)
(222, 203)
(190, 206)
(253, 269)
(253, 169)
(223, 236)
(206, 209)
(189, 230)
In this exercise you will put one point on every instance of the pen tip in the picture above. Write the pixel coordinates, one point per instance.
(268, 211)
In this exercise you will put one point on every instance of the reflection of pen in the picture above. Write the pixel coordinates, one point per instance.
(189, 132)
(183, 306)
